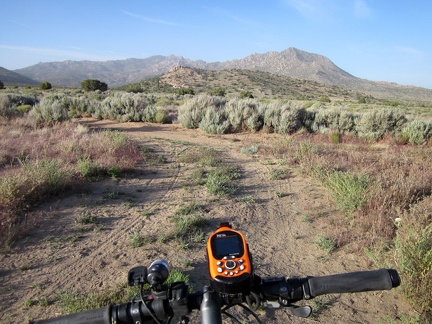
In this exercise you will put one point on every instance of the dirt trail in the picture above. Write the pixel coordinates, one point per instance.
(281, 219)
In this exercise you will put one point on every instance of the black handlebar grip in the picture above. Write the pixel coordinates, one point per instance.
(94, 316)
(382, 279)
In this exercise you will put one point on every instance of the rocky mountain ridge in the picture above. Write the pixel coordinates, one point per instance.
(292, 63)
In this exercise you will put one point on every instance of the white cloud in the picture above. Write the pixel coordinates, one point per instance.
(48, 54)
(151, 20)
(313, 9)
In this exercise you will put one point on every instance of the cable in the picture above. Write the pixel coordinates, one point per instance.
(145, 305)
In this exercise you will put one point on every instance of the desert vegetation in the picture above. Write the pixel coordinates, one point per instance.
(374, 160)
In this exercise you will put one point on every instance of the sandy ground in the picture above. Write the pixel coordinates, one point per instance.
(280, 218)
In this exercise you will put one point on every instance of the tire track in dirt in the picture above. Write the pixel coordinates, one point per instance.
(281, 219)
(84, 265)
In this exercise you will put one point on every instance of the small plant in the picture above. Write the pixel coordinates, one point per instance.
(278, 174)
(188, 227)
(137, 239)
(72, 302)
(326, 243)
(29, 302)
(114, 171)
(188, 209)
(219, 181)
(86, 218)
(334, 137)
(88, 169)
(348, 190)
(249, 150)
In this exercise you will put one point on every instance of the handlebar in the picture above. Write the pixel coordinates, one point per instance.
(176, 299)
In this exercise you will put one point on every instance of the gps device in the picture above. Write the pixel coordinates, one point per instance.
(229, 261)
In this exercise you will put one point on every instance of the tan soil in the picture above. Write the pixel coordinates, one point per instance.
(281, 219)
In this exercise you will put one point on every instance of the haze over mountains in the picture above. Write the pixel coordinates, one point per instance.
(291, 62)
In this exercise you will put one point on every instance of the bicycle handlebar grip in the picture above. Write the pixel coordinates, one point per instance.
(382, 279)
(94, 316)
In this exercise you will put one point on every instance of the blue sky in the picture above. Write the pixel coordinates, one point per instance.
(388, 40)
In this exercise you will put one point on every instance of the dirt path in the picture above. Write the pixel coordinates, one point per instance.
(281, 219)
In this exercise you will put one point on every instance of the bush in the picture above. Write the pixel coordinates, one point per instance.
(243, 114)
(10, 102)
(23, 109)
(377, 123)
(325, 120)
(93, 85)
(193, 110)
(219, 181)
(49, 111)
(220, 92)
(246, 94)
(348, 190)
(185, 91)
(126, 107)
(162, 116)
(45, 85)
(417, 132)
(214, 121)
(1, 85)
(413, 255)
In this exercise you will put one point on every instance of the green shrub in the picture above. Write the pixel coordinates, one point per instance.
(326, 243)
(49, 111)
(220, 92)
(413, 246)
(193, 110)
(283, 117)
(325, 120)
(162, 116)
(10, 102)
(185, 91)
(88, 169)
(137, 240)
(1, 85)
(24, 108)
(45, 85)
(417, 132)
(243, 114)
(379, 122)
(246, 94)
(93, 85)
(350, 191)
(214, 121)
(125, 107)
(219, 181)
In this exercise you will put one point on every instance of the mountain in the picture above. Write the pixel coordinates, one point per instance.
(12, 78)
(114, 73)
(292, 62)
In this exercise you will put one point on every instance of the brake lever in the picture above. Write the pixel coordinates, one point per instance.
(299, 311)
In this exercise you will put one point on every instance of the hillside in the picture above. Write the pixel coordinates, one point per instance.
(292, 63)
(12, 78)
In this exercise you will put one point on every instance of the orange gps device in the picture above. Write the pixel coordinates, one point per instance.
(229, 261)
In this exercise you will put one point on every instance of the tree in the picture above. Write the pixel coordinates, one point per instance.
(1, 85)
(184, 91)
(217, 92)
(246, 94)
(92, 85)
(45, 85)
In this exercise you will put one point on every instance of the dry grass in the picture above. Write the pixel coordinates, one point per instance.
(394, 217)
(36, 163)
